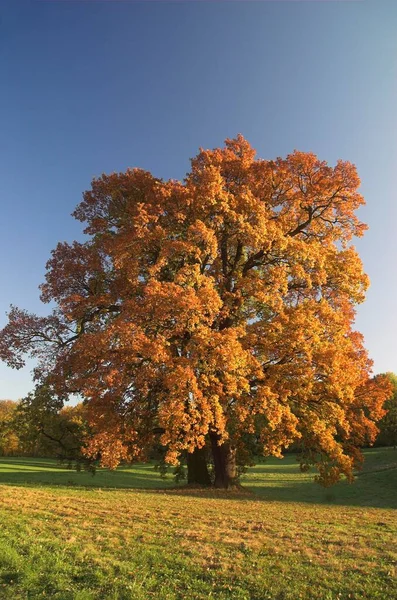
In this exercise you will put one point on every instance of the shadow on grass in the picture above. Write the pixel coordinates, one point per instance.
(70, 478)
(278, 482)
(32, 464)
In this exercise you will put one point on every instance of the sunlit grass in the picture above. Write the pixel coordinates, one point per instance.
(69, 535)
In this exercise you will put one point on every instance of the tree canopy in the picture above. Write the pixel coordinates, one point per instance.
(210, 310)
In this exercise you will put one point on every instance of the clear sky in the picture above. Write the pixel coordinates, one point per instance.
(98, 86)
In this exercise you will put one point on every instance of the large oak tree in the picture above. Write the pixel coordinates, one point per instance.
(211, 310)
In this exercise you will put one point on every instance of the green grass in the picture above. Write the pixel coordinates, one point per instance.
(375, 485)
(130, 535)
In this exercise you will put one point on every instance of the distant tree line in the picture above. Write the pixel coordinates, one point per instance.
(388, 425)
(10, 443)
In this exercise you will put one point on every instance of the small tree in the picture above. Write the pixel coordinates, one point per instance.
(212, 310)
(46, 428)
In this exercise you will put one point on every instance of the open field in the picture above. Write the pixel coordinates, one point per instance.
(71, 536)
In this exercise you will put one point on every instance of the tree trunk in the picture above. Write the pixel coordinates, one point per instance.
(197, 470)
(224, 456)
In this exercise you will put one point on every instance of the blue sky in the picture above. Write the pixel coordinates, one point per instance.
(95, 86)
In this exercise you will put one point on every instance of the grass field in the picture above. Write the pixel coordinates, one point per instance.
(130, 535)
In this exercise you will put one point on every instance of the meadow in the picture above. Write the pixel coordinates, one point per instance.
(130, 535)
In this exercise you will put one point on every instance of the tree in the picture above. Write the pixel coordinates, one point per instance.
(212, 310)
(388, 424)
(46, 428)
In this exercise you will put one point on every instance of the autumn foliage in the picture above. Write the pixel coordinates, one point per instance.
(211, 310)
(9, 441)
